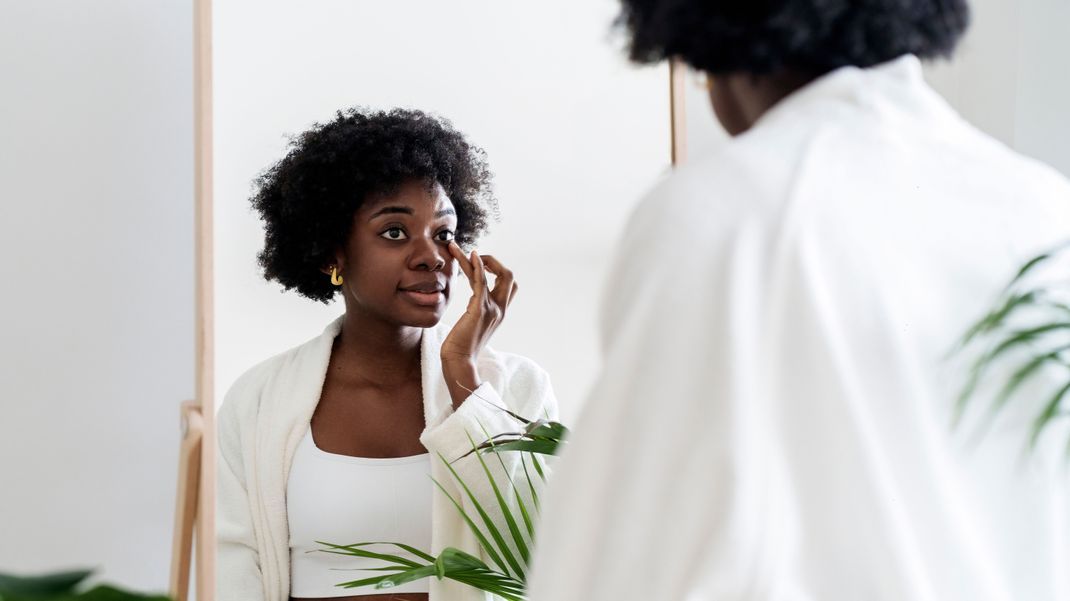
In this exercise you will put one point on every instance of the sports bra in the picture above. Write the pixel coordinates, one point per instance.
(344, 500)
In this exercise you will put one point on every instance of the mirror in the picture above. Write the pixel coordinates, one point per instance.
(572, 132)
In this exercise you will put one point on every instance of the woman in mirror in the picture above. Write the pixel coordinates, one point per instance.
(333, 440)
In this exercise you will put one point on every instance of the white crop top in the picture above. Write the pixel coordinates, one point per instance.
(344, 500)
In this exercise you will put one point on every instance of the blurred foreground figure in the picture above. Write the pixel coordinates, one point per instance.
(774, 416)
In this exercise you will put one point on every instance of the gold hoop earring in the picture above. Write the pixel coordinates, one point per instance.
(335, 278)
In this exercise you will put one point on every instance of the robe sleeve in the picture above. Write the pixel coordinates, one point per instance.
(526, 392)
(237, 561)
(664, 488)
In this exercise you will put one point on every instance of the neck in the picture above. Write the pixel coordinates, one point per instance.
(740, 99)
(377, 352)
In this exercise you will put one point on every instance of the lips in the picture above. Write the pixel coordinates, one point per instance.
(425, 294)
(425, 287)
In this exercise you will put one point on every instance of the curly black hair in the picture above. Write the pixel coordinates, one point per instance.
(307, 199)
(809, 36)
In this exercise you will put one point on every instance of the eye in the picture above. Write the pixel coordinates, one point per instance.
(444, 236)
(394, 233)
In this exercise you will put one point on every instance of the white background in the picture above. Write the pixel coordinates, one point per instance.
(96, 226)
(1010, 77)
(96, 235)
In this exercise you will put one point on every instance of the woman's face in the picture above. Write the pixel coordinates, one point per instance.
(396, 264)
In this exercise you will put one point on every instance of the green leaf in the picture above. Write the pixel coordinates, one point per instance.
(454, 559)
(392, 579)
(1029, 265)
(1037, 260)
(1047, 415)
(407, 576)
(467, 569)
(531, 486)
(996, 318)
(44, 585)
(489, 523)
(354, 551)
(516, 491)
(501, 589)
(542, 447)
(421, 554)
(1024, 372)
(110, 593)
(507, 513)
(1017, 338)
(547, 429)
(538, 466)
(483, 542)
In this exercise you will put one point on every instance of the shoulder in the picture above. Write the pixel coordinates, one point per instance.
(241, 403)
(711, 196)
(242, 400)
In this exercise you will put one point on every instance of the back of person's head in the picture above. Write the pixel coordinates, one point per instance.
(808, 36)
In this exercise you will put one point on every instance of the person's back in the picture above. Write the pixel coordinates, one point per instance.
(894, 227)
(774, 418)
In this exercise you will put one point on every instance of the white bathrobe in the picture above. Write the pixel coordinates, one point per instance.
(266, 413)
(773, 417)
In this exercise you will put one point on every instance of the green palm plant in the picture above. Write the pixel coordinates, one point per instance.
(63, 586)
(506, 574)
(1034, 319)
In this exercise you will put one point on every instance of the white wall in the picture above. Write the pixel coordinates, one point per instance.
(1042, 115)
(1010, 77)
(573, 133)
(96, 235)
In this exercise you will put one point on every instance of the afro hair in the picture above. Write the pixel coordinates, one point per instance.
(308, 198)
(808, 36)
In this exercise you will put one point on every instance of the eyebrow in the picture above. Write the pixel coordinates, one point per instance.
(408, 211)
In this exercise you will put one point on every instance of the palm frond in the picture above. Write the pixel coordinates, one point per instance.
(508, 579)
(1034, 322)
(507, 513)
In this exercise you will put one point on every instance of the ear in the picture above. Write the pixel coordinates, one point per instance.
(339, 261)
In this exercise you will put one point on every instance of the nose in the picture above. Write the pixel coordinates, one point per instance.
(428, 255)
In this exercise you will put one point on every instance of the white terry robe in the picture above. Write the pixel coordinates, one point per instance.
(773, 416)
(268, 410)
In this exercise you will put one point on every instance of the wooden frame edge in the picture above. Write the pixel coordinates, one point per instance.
(677, 111)
(204, 346)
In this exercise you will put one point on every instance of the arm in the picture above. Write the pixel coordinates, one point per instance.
(238, 576)
(478, 415)
(526, 392)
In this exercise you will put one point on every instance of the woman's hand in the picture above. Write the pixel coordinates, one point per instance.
(485, 312)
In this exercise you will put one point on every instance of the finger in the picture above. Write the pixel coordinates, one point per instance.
(479, 275)
(503, 285)
(462, 259)
(512, 292)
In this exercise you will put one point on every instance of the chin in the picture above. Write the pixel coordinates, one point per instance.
(422, 318)
(428, 322)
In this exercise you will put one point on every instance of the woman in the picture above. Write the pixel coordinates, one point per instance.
(333, 440)
(778, 372)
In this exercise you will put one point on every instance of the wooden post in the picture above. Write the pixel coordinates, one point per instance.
(205, 308)
(186, 499)
(195, 499)
(677, 113)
